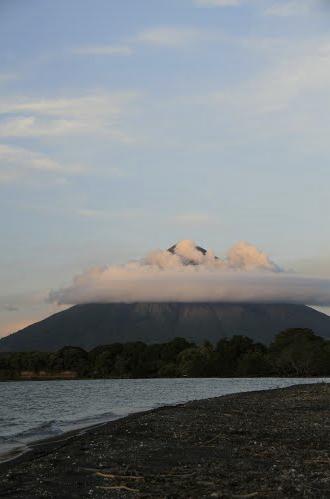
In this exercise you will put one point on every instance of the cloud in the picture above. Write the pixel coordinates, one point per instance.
(18, 162)
(173, 37)
(203, 286)
(32, 126)
(291, 8)
(98, 113)
(10, 308)
(288, 80)
(217, 3)
(97, 104)
(246, 274)
(158, 36)
(103, 50)
(8, 76)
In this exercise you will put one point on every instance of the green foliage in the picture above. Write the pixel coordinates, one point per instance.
(103, 358)
(299, 352)
(231, 351)
(70, 359)
(196, 362)
(169, 370)
(169, 351)
(253, 364)
(294, 352)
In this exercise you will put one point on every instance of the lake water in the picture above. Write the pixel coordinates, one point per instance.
(34, 410)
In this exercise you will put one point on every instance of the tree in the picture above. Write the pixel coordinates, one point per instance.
(130, 362)
(169, 370)
(254, 364)
(170, 351)
(299, 352)
(229, 351)
(103, 359)
(71, 359)
(294, 352)
(197, 361)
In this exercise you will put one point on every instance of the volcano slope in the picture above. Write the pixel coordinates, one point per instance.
(91, 325)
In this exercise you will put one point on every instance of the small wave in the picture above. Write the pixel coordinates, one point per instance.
(82, 423)
(48, 428)
(4, 439)
(54, 428)
(10, 451)
(90, 419)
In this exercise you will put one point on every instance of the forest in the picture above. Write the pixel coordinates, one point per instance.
(294, 352)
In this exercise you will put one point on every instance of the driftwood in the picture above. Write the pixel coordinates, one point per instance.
(117, 487)
(118, 477)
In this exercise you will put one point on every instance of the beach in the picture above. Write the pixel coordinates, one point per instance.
(273, 443)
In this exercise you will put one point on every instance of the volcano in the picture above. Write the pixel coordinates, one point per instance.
(95, 324)
(88, 325)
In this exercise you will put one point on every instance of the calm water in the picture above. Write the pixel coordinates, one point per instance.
(33, 410)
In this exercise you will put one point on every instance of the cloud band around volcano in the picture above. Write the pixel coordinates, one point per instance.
(187, 273)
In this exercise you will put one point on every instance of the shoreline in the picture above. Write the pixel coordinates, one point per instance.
(13, 380)
(31, 447)
(21, 448)
(270, 443)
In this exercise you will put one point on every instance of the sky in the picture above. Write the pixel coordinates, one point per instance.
(128, 125)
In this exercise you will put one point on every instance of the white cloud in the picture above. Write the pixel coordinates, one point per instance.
(276, 88)
(175, 37)
(178, 37)
(172, 37)
(97, 104)
(18, 162)
(161, 36)
(99, 113)
(32, 126)
(316, 266)
(103, 50)
(190, 286)
(28, 159)
(244, 275)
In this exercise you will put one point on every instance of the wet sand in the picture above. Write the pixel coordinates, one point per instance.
(272, 444)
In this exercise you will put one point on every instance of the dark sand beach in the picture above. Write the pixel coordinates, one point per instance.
(273, 444)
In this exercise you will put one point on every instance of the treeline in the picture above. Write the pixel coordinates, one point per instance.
(294, 352)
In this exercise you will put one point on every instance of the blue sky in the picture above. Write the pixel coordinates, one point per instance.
(128, 125)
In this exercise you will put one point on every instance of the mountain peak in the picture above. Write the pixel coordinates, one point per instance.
(173, 248)
(190, 252)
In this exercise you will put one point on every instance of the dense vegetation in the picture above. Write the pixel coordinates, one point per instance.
(294, 352)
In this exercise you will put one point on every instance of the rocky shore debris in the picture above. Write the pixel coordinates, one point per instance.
(268, 444)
